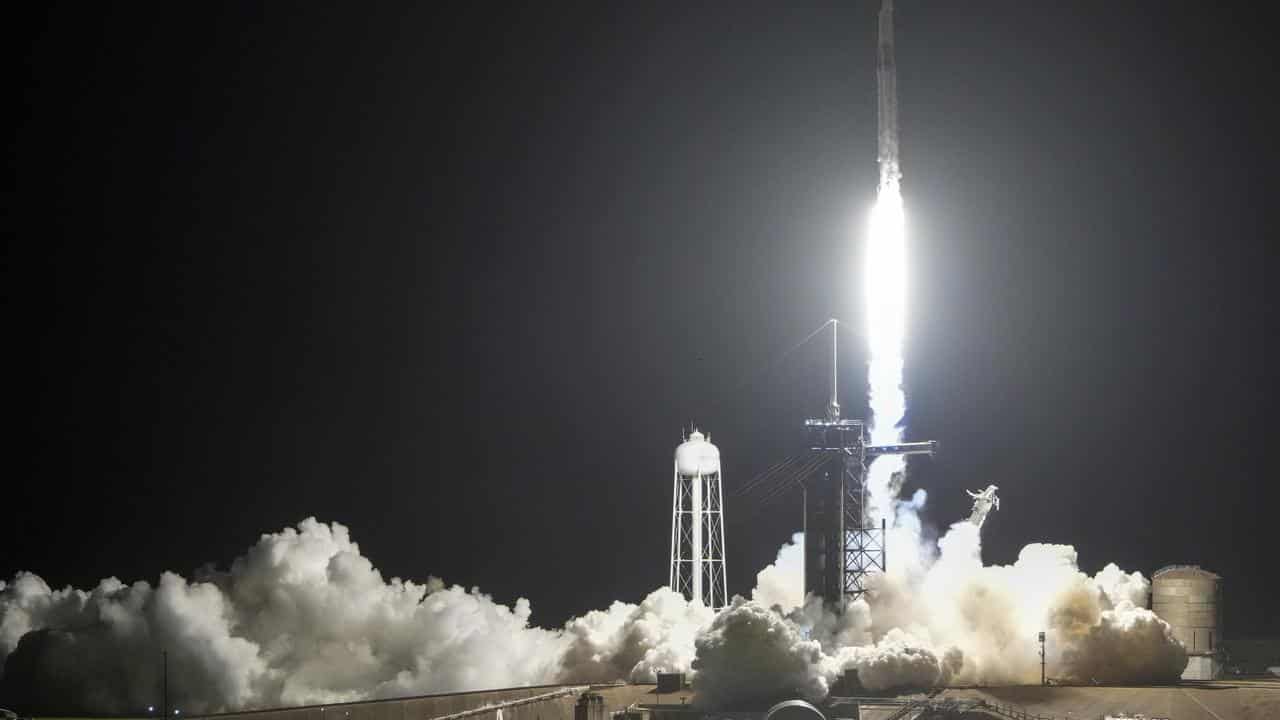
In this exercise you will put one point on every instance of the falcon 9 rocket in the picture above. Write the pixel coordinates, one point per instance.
(887, 79)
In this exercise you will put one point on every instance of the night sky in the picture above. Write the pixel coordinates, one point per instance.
(458, 281)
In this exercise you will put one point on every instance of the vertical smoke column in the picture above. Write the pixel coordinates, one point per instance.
(885, 286)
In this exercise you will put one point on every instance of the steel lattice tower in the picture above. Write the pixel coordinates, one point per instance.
(842, 545)
(697, 523)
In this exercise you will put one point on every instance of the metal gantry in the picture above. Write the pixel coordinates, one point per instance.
(843, 545)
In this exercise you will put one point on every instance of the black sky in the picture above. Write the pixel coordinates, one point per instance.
(458, 280)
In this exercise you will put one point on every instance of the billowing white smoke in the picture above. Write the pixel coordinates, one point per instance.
(901, 660)
(105, 650)
(948, 619)
(993, 614)
(753, 655)
(941, 616)
(303, 617)
(634, 642)
(782, 583)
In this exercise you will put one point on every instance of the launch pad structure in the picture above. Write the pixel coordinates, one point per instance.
(843, 545)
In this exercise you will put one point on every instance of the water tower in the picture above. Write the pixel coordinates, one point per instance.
(697, 523)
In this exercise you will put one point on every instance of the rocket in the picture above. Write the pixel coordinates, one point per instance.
(887, 81)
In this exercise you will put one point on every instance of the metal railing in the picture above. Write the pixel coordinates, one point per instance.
(493, 708)
(1012, 712)
(953, 705)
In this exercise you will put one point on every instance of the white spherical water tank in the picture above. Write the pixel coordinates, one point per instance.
(697, 456)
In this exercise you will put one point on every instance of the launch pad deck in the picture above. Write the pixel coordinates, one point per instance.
(1240, 699)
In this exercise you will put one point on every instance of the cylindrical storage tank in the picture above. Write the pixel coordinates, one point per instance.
(1189, 598)
(794, 710)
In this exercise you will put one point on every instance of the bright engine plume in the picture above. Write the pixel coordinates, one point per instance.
(885, 284)
(885, 302)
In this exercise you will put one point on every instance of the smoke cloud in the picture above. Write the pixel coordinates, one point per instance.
(753, 655)
(304, 617)
(943, 617)
(782, 583)
(634, 642)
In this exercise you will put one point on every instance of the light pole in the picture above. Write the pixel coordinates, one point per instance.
(1042, 678)
(164, 683)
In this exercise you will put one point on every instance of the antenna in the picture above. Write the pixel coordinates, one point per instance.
(833, 409)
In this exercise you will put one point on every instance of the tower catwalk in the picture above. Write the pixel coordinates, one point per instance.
(887, 81)
(697, 524)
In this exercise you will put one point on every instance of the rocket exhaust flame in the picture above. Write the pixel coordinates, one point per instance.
(884, 283)
(885, 288)
(885, 300)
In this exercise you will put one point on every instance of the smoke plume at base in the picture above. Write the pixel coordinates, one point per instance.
(950, 619)
(303, 617)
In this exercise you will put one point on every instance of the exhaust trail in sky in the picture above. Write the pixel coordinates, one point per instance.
(884, 283)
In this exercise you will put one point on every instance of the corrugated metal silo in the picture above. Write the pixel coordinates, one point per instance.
(1189, 598)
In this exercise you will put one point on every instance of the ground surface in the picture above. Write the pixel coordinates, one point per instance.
(1238, 699)
(1242, 699)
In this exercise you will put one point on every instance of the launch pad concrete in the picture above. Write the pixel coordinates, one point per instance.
(1255, 698)
(546, 702)
(1251, 698)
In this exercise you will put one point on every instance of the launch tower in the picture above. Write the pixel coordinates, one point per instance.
(842, 545)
